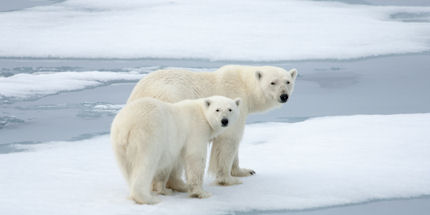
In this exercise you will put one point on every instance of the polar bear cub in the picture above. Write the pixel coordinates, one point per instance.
(149, 136)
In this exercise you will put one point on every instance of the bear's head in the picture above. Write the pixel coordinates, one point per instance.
(221, 112)
(276, 83)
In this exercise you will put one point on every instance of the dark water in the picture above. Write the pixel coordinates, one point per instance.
(385, 2)
(417, 206)
(11, 5)
(382, 85)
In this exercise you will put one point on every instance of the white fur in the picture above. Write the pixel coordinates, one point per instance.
(251, 83)
(150, 136)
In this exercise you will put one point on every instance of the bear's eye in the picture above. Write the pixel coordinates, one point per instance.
(288, 82)
(272, 83)
(217, 110)
(229, 109)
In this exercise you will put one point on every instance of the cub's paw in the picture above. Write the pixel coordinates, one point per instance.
(227, 181)
(166, 191)
(200, 194)
(150, 200)
(242, 172)
(178, 186)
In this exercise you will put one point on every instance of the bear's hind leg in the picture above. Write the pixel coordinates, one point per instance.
(160, 181)
(142, 178)
(141, 188)
(175, 181)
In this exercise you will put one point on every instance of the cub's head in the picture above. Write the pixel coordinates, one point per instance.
(276, 83)
(221, 112)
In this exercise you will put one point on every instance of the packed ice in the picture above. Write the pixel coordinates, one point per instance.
(217, 30)
(314, 163)
(30, 85)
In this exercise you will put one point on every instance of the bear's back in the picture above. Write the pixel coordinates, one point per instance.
(175, 85)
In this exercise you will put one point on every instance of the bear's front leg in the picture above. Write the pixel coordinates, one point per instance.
(240, 172)
(195, 162)
(223, 152)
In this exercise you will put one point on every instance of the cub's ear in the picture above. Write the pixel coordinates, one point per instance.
(237, 101)
(293, 73)
(258, 75)
(207, 103)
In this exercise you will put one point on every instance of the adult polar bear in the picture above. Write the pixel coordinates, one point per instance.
(260, 88)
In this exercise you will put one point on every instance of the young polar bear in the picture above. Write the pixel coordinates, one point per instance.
(149, 136)
(260, 87)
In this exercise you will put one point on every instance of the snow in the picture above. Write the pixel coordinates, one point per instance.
(255, 30)
(318, 162)
(109, 108)
(26, 85)
(37, 84)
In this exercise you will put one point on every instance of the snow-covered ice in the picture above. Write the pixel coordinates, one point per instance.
(37, 84)
(318, 162)
(111, 108)
(25, 85)
(216, 29)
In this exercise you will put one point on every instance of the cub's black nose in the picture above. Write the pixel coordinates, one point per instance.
(224, 122)
(284, 98)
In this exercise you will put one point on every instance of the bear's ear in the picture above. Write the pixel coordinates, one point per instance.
(207, 103)
(293, 73)
(258, 75)
(237, 101)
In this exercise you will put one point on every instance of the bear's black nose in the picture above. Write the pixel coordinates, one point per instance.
(284, 98)
(224, 122)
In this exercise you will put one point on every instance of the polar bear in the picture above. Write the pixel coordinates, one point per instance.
(149, 136)
(260, 87)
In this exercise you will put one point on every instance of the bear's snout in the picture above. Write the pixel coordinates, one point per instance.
(284, 98)
(224, 122)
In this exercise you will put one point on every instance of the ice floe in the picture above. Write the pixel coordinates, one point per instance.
(29, 85)
(318, 162)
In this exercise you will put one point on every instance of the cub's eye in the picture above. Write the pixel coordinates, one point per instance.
(288, 82)
(217, 110)
(229, 109)
(272, 83)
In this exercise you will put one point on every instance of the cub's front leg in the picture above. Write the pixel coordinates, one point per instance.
(195, 162)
